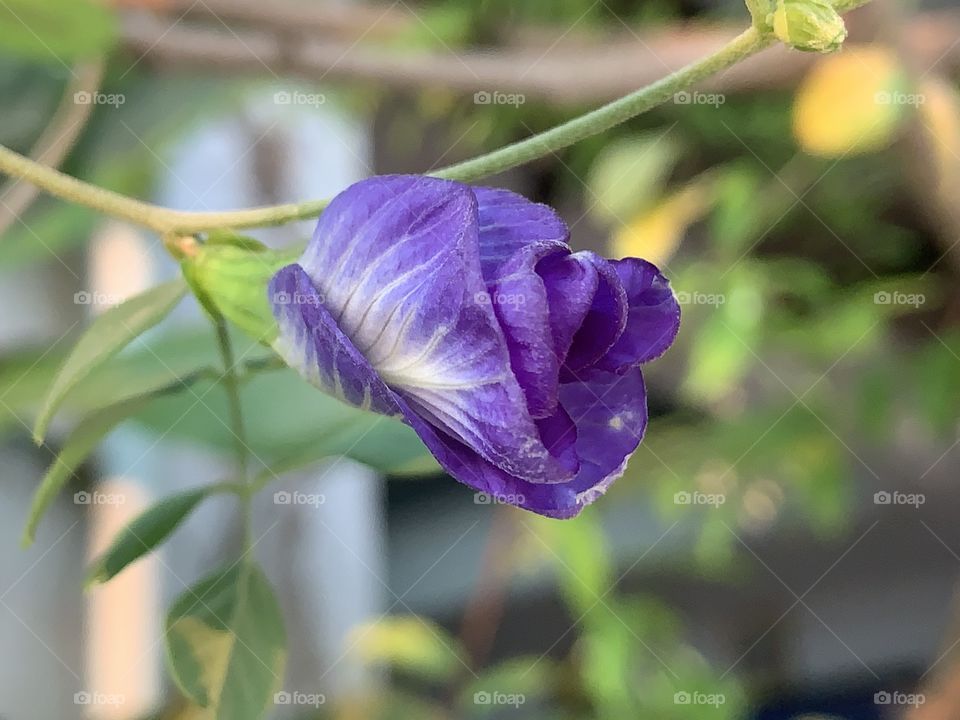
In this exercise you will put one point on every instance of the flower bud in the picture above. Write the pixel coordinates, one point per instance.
(230, 280)
(809, 25)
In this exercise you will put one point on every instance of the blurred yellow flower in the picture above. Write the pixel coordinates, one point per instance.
(850, 103)
(655, 233)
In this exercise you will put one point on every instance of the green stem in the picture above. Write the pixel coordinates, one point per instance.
(161, 219)
(231, 384)
(610, 115)
(165, 220)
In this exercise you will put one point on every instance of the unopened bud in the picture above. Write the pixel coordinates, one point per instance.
(809, 25)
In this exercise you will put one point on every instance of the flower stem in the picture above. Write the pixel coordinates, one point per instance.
(610, 115)
(232, 385)
(165, 220)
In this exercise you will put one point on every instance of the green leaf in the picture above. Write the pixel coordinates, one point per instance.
(56, 30)
(226, 643)
(630, 173)
(737, 222)
(107, 335)
(938, 384)
(724, 345)
(78, 446)
(147, 531)
(520, 680)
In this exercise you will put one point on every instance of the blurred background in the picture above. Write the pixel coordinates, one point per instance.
(783, 544)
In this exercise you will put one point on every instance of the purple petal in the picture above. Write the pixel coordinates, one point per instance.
(514, 235)
(610, 412)
(311, 343)
(559, 435)
(519, 300)
(653, 318)
(603, 323)
(508, 222)
(395, 260)
(571, 282)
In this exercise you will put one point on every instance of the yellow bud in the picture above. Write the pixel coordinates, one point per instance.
(809, 25)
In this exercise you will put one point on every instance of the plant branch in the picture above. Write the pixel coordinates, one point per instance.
(603, 118)
(607, 116)
(232, 386)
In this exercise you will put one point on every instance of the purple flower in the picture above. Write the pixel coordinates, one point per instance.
(464, 312)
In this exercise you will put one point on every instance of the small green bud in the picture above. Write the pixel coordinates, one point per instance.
(809, 25)
(230, 280)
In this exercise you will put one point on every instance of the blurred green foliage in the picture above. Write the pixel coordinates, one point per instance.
(795, 354)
